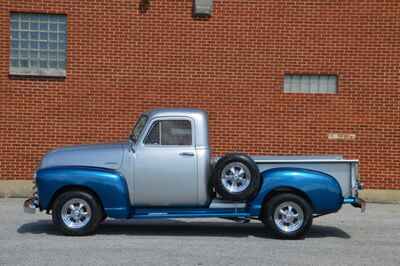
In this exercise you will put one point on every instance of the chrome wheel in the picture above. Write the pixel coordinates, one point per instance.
(288, 216)
(76, 213)
(235, 177)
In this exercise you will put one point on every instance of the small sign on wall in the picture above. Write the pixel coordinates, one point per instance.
(341, 136)
(202, 8)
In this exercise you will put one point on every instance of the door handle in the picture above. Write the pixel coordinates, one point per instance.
(186, 154)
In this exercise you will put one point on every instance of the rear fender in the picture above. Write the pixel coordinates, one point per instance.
(320, 189)
(108, 185)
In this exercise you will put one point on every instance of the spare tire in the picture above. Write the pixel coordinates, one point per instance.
(236, 177)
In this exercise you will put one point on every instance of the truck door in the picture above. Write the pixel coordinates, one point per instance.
(166, 168)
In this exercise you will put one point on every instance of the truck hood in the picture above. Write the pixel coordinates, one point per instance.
(98, 155)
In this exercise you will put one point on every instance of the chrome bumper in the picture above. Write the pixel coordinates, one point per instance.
(356, 202)
(360, 203)
(30, 205)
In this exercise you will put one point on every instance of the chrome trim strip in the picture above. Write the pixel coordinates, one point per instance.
(306, 161)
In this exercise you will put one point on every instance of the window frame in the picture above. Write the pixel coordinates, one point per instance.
(154, 124)
(159, 119)
(37, 71)
(143, 116)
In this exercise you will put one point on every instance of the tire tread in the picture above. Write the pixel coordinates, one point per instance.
(90, 228)
(268, 219)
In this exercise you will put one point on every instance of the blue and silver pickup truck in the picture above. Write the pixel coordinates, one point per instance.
(164, 170)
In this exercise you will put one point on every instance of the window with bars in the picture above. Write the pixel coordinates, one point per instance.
(38, 44)
(310, 83)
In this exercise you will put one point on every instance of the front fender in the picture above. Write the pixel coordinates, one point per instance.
(322, 190)
(108, 184)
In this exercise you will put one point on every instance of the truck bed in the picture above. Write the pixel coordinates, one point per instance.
(344, 171)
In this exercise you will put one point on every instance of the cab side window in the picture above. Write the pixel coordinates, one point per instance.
(170, 132)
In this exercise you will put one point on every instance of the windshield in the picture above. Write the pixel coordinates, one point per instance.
(137, 130)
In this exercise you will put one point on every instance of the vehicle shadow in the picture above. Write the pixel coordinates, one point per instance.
(181, 228)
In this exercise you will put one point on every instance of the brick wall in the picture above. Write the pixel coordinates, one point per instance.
(122, 61)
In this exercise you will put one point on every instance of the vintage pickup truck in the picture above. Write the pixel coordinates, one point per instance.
(164, 170)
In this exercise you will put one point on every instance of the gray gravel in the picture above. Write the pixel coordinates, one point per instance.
(345, 238)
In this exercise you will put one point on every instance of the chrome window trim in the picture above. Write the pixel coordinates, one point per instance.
(155, 120)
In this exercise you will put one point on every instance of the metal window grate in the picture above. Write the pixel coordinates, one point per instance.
(38, 44)
(310, 83)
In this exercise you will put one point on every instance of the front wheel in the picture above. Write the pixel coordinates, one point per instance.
(77, 213)
(288, 216)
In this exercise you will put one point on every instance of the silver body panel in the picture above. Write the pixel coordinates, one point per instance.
(98, 155)
(162, 177)
(204, 176)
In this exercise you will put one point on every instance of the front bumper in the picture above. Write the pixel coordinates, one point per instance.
(31, 204)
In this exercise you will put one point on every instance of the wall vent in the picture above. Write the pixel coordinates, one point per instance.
(202, 8)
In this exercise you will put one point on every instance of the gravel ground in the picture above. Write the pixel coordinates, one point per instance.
(345, 238)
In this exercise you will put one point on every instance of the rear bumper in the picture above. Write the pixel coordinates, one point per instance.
(356, 202)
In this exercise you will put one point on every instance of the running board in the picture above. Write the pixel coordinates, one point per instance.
(151, 213)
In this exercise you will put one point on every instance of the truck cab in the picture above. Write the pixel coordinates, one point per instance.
(169, 159)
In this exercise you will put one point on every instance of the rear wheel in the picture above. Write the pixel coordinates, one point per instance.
(77, 213)
(288, 216)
